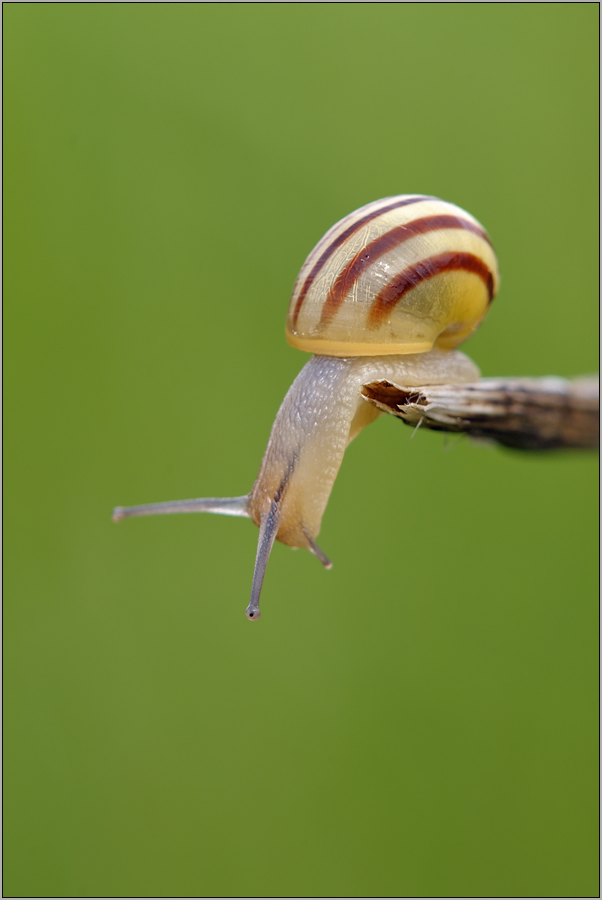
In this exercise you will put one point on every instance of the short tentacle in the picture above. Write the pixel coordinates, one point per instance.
(313, 547)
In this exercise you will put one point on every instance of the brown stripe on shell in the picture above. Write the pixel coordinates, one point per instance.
(390, 295)
(341, 239)
(383, 244)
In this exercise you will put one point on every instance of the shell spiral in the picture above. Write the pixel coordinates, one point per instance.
(399, 275)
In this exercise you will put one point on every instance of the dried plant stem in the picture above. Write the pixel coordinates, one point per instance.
(525, 413)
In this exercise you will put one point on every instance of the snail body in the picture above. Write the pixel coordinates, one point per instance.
(387, 294)
(321, 414)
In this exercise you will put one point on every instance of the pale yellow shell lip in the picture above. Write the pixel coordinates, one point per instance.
(343, 349)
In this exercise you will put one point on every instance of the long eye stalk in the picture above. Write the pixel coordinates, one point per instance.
(267, 535)
(227, 506)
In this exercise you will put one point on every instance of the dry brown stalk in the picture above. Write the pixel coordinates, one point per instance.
(525, 413)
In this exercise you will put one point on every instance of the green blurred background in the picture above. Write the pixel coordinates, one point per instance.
(421, 721)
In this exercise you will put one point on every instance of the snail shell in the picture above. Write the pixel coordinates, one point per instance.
(399, 275)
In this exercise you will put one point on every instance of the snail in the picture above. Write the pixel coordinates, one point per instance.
(386, 294)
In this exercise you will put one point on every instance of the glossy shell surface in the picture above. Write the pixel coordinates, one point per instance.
(399, 275)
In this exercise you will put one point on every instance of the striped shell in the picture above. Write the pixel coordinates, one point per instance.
(399, 275)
